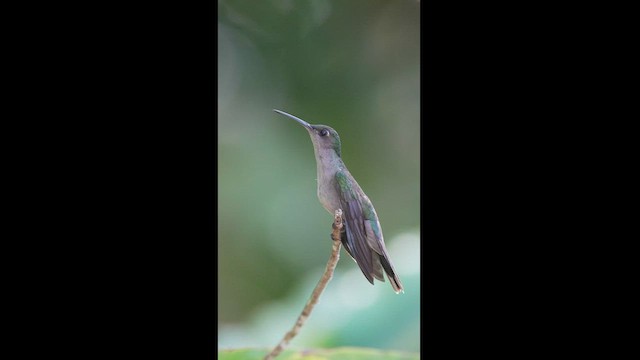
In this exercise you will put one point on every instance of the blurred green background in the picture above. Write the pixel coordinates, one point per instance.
(355, 66)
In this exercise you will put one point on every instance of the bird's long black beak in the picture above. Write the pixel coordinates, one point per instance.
(304, 123)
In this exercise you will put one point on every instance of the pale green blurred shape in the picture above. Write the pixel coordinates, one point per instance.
(351, 312)
(354, 66)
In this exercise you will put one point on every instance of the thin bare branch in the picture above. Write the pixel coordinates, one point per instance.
(315, 296)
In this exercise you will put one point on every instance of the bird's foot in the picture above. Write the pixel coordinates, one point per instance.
(337, 225)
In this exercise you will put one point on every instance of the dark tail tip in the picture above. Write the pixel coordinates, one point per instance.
(391, 275)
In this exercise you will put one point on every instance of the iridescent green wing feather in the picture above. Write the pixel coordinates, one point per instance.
(353, 216)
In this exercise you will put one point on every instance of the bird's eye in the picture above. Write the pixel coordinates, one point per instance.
(324, 132)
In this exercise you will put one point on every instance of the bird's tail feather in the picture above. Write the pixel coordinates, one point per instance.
(391, 274)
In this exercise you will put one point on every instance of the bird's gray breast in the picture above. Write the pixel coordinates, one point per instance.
(327, 187)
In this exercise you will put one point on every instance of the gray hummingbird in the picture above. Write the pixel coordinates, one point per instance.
(337, 189)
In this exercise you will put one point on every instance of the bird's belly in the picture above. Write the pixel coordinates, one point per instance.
(328, 196)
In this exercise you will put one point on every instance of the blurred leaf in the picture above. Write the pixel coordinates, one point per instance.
(344, 353)
(350, 312)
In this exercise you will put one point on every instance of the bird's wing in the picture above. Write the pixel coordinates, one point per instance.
(356, 236)
(363, 236)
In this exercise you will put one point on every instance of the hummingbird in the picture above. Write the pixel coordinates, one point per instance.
(337, 189)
